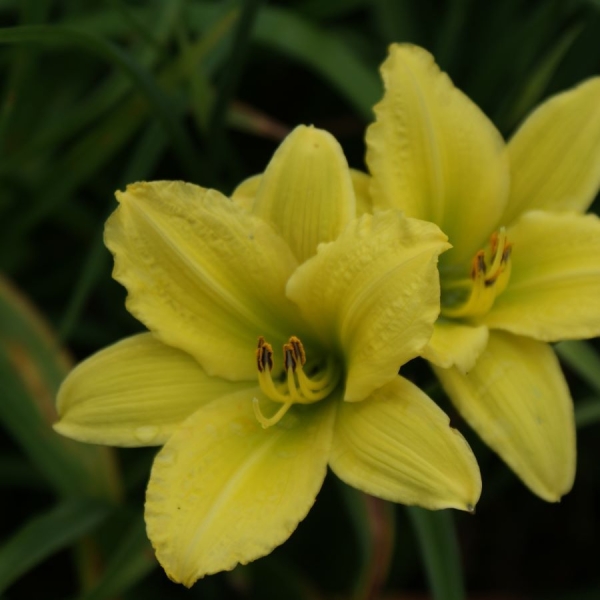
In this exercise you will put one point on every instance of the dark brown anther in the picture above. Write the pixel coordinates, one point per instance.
(478, 265)
(298, 348)
(264, 355)
(481, 262)
(289, 357)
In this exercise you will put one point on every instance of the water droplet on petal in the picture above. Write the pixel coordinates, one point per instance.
(285, 454)
(236, 427)
(146, 434)
(290, 421)
(166, 456)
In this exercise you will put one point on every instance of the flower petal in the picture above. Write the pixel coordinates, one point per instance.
(245, 193)
(434, 154)
(135, 393)
(554, 286)
(398, 445)
(306, 191)
(516, 398)
(374, 291)
(202, 274)
(361, 183)
(555, 155)
(225, 491)
(455, 344)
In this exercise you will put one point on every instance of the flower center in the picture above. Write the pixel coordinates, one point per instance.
(490, 272)
(295, 386)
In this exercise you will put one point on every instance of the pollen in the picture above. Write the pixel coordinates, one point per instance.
(294, 386)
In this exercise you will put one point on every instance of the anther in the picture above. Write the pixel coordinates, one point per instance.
(478, 266)
(289, 357)
(298, 348)
(494, 243)
(264, 355)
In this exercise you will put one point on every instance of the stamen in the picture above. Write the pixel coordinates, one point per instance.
(490, 273)
(269, 421)
(268, 387)
(298, 387)
(318, 386)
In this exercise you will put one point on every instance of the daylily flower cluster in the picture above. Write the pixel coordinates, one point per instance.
(278, 319)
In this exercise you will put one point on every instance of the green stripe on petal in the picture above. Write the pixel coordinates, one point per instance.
(434, 154)
(398, 445)
(224, 491)
(306, 191)
(202, 274)
(455, 344)
(554, 288)
(134, 393)
(517, 400)
(555, 155)
(374, 292)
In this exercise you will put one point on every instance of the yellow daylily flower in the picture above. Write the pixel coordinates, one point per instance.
(277, 325)
(525, 264)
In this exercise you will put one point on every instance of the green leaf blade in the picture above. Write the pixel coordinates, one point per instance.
(44, 535)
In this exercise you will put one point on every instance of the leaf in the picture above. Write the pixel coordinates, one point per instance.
(536, 84)
(44, 535)
(131, 560)
(88, 154)
(451, 30)
(440, 552)
(31, 369)
(321, 50)
(396, 20)
(333, 9)
(373, 523)
(587, 412)
(228, 83)
(581, 357)
(61, 35)
(324, 52)
(143, 157)
(274, 578)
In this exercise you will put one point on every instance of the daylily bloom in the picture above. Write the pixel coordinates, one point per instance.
(524, 269)
(276, 333)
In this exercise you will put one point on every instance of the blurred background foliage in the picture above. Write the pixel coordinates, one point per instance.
(96, 94)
